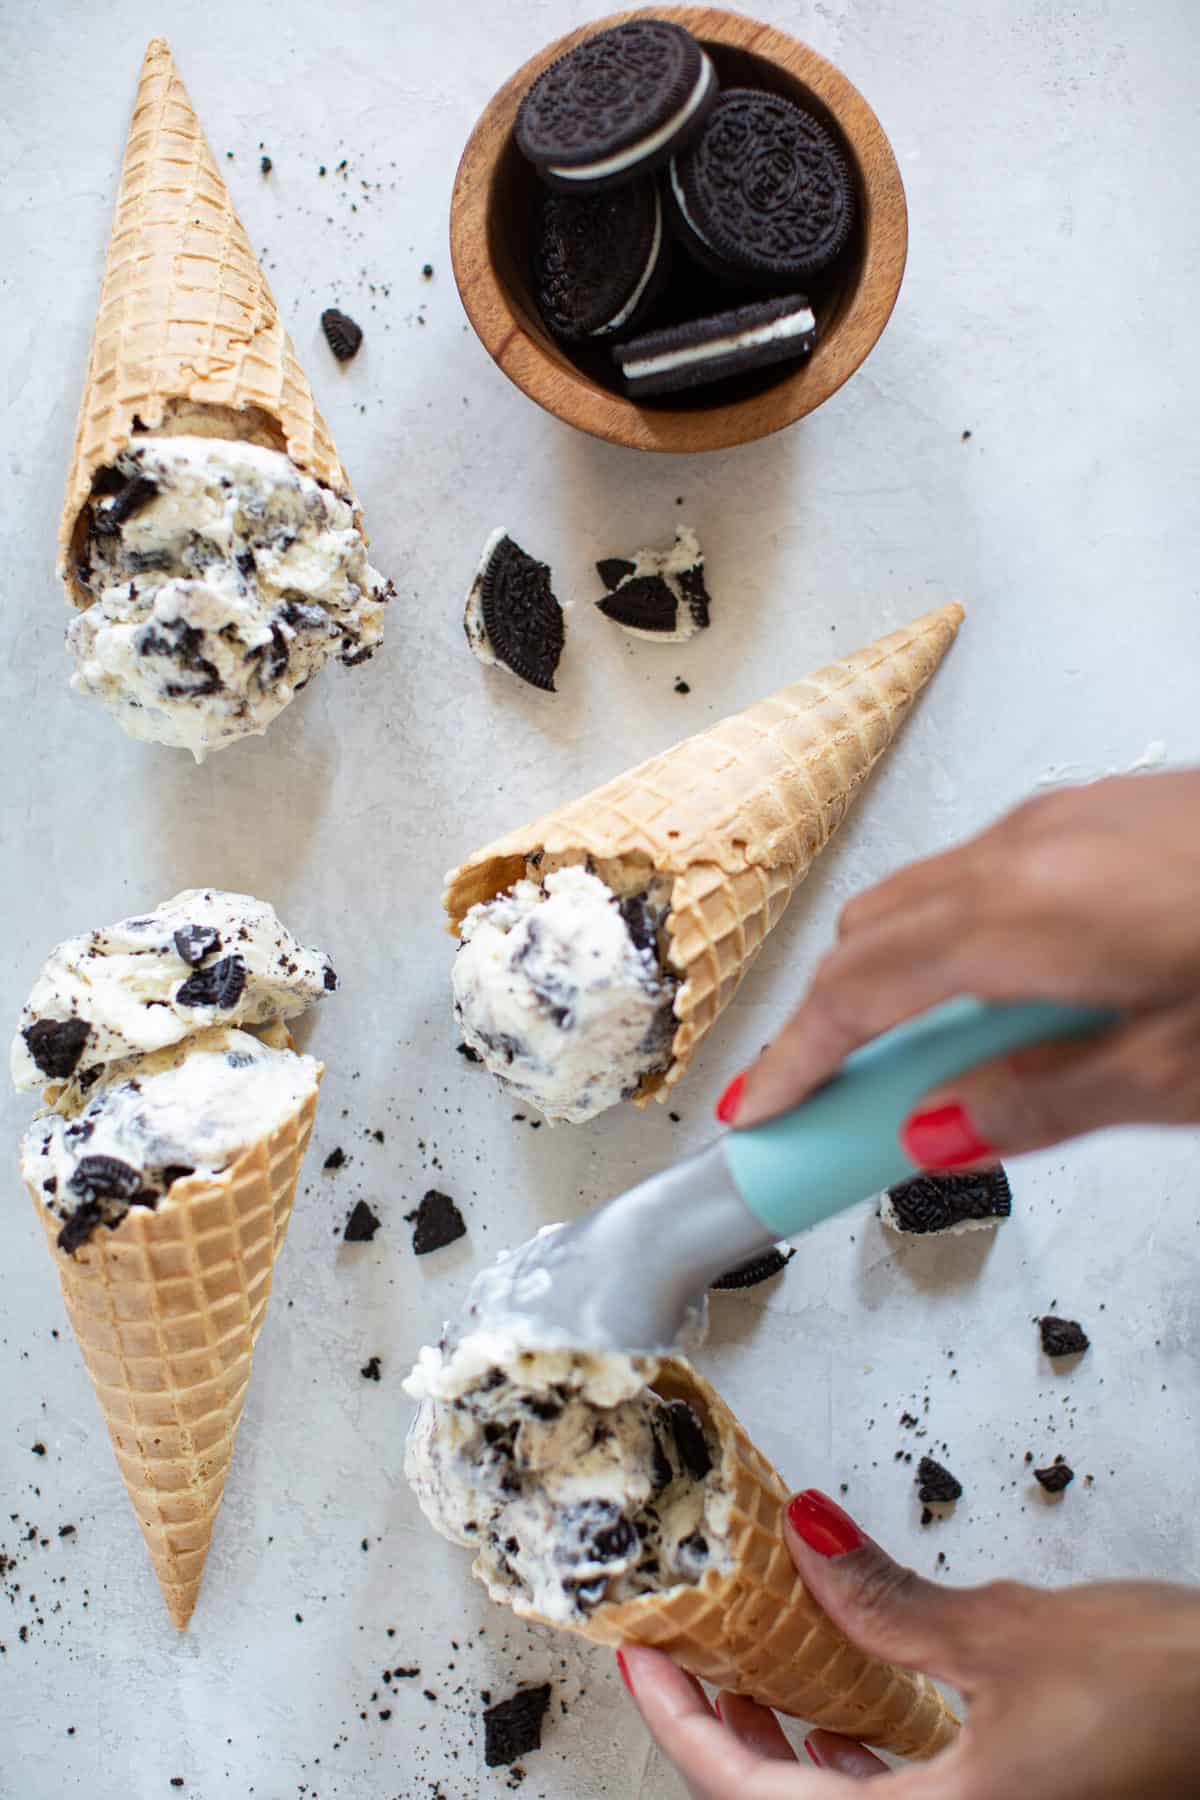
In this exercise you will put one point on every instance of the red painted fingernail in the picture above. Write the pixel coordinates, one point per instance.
(717, 1708)
(812, 1754)
(621, 1664)
(822, 1524)
(731, 1099)
(943, 1138)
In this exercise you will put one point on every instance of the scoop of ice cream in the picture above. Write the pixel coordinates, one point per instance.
(153, 1120)
(573, 1481)
(559, 989)
(204, 958)
(223, 579)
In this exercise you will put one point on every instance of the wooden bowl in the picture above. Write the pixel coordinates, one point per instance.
(489, 243)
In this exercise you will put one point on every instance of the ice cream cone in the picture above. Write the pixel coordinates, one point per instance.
(167, 1309)
(187, 335)
(756, 1630)
(736, 815)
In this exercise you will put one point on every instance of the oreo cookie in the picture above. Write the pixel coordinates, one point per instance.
(1057, 1478)
(342, 333)
(659, 594)
(512, 617)
(727, 343)
(935, 1483)
(749, 1274)
(598, 260)
(940, 1205)
(618, 105)
(764, 194)
(1062, 1337)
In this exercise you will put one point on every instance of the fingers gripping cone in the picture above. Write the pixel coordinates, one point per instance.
(187, 334)
(736, 815)
(166, 1309)
(755, 1629)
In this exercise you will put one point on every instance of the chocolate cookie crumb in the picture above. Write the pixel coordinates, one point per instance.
(361, 1226)
(370, 1369)
(265, 164)
(467, 1054)
(335, 1159)
(1063, 1337)
(759, 1268)
(682, 687)
(513, 1727)
(39, 1449)
(438, 1222)
(936, 1483)
(1058, 1476)
(427, 271)
(342, 334)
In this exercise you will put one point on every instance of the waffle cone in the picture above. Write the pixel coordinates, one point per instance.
(187, 335)
(736, 815)
(166, 1310)
(756, 1630)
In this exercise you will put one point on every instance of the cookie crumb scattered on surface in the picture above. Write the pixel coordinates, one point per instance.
(265, 164)
(370, 1370)
(1062, 1337)
(936, 1483)
(362, 1225)
(342, 333)
(436, 1223)
(1058, 1476)
(335, 1160)
(513, 1727)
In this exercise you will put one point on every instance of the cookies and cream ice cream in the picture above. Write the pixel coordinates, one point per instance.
(561, 987)
(161, 1046)
(575, 1484)
(153, 1120)
(222, 579)
(206, 957)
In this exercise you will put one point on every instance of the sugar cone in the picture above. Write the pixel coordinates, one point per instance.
(167, 1309)
(756, 1630)
(187, 335)
(736, 815)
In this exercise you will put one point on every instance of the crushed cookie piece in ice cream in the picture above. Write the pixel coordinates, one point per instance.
(222, 580)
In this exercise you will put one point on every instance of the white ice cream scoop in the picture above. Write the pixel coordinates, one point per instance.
(627, 1275)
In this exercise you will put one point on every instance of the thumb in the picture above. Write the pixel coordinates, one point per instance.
(881, 1606)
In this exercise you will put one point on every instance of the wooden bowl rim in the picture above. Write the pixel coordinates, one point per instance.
(562, 389)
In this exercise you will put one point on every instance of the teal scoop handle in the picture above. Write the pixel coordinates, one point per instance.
(842, 1143)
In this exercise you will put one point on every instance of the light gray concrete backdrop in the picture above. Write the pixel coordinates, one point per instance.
(1049, 313)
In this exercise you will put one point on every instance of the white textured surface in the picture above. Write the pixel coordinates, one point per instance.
(1049, 310)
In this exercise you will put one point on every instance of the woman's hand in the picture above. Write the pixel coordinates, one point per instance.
(1087, 1693)
(1088, 894)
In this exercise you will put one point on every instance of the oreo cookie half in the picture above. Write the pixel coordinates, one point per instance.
(618, 105)
(712, 349)
(658, 594)
(598, 260)
(764, 193)
(512, 618)
(944, 1205)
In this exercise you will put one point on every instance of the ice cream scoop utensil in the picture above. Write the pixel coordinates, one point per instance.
(627, 1275)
